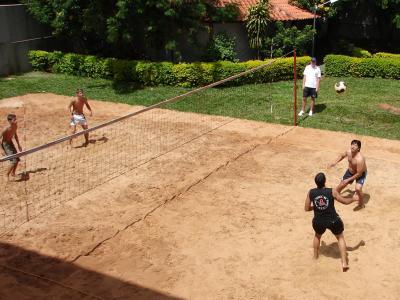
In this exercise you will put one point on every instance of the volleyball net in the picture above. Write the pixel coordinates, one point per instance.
(52, 173)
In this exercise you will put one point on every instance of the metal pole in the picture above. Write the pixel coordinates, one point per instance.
(295, 86)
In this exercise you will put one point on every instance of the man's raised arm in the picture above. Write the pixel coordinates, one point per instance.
(339, 159)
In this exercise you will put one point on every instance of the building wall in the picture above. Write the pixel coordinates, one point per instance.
(237, 30)
(16, 25)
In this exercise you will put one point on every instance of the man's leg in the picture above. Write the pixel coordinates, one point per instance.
(342, 250)
(303, 106)
(14, 169)
(316, 244)
(341, 186)
(73, 130)
(359, 196)
(86, 134)
(312, 106)
(9, 171)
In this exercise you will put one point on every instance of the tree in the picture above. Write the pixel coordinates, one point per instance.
(286, 39)
(257, 24)
(221, 47)
(121, 28)
(389, 8)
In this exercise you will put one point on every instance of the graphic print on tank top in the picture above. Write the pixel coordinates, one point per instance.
(321, 202)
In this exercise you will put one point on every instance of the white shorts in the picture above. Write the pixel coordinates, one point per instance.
(78, 120)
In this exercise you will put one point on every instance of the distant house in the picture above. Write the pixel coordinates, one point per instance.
(280, 10)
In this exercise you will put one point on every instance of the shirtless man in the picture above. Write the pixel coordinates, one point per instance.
(7, 144)
(75, 108)
(357, 171)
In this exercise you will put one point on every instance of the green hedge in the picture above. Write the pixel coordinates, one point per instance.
(342, 66)
(162, 73)
(359, 52)
(386, 55)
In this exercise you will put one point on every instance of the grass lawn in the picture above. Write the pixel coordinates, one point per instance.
(354, 111)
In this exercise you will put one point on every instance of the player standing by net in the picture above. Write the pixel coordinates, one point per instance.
(77, 116)
(322, 201)
(7, 136)
(311, 81)
(357, 171)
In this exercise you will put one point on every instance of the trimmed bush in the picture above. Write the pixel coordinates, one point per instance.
(163, 73)
(158, 73)
(69, 64)
(95, 67)
(39, 60)
(358, 52)
(386, 55)
(342, 66)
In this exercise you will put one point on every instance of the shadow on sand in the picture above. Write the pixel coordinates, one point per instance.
(30, 275)
(332, 250)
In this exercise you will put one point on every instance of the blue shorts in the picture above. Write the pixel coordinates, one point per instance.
(359, 180)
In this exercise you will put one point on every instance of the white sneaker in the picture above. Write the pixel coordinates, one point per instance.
(310, 113)
(301, 113)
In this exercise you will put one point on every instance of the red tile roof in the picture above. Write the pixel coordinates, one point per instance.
(280, 10)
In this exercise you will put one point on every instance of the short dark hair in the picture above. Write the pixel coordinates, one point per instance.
(11, 117)
(320, 180)
(79, 90)
(356, 142)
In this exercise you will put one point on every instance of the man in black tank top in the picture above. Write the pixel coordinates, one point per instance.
(322, 201)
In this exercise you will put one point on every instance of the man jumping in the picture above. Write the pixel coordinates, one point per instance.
(7, 144)
(75, 108)
(357, 171)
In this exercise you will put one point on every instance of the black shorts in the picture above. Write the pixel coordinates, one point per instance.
(336, 226)
(310, 92)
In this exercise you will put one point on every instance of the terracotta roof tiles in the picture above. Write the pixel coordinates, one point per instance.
(280, 10)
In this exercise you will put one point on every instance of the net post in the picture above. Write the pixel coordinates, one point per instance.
(295, 86)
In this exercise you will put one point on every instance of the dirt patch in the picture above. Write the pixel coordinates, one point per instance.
(389, 108)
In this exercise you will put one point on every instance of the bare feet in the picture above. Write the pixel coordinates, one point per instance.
(359, 207)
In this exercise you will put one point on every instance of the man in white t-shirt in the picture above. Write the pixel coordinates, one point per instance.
(311, 79)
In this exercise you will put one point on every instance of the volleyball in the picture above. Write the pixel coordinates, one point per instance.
(340, 87)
